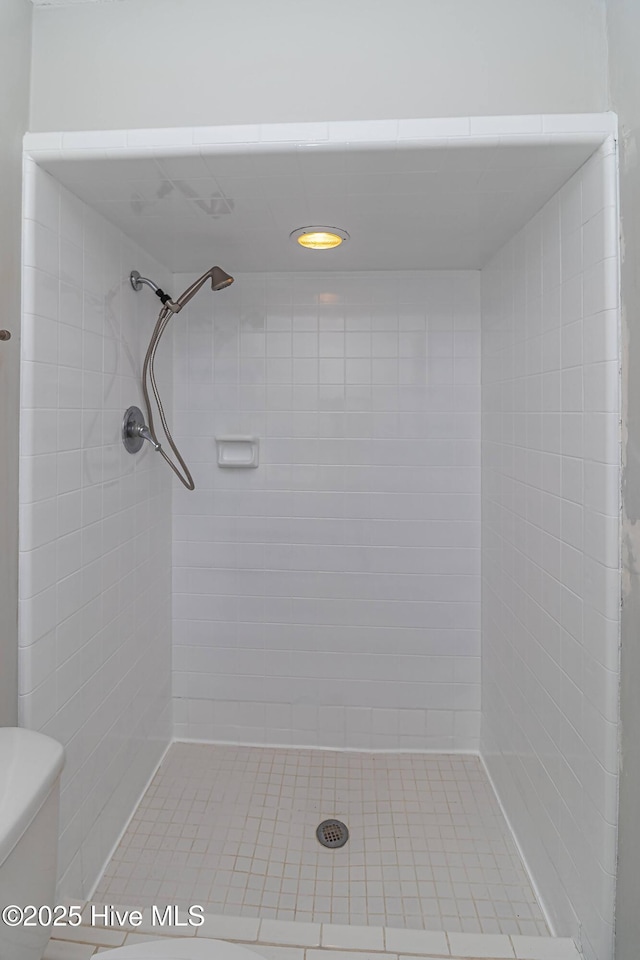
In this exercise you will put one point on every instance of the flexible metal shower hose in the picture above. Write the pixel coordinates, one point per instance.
(148, 371)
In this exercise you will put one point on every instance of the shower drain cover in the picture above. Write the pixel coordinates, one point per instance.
(332, 833)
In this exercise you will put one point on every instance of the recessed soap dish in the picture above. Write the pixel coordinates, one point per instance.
(237, 451)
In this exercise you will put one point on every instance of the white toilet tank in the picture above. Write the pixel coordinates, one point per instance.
(30, 767)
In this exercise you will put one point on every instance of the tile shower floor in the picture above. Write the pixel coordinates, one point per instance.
(232, 828)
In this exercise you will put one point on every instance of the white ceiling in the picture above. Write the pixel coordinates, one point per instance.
(438, 206)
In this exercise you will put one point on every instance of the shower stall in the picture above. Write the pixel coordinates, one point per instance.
(406, 614)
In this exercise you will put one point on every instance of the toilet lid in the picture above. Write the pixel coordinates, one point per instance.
(184, 948)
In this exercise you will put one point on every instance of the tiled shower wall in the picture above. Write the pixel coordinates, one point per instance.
(331, 596)
(95, 528)
(551, 582)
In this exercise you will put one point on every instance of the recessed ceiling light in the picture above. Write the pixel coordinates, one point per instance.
(319, 238)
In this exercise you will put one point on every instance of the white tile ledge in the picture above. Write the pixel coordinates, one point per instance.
(476, 945)
(416, 941)
(290, 932)
(544, 948)
(352, 937)
(187, 141)
(395, 943)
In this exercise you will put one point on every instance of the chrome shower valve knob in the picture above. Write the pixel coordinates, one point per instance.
(135, 431)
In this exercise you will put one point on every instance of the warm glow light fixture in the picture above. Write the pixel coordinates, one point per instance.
(319, 238)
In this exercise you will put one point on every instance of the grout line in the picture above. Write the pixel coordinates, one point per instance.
(306, 746)
(532, 879)
(109, 857)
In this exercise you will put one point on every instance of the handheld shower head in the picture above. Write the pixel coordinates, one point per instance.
(220, 279)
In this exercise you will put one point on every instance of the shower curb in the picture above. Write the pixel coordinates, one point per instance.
(311, 941)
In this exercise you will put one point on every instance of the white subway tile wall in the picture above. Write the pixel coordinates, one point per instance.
(551, 578)
(331, 596)
(95, 527)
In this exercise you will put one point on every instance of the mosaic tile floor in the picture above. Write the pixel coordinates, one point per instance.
(233, 829)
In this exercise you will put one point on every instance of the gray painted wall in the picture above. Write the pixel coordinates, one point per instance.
(15, 54)
(624, 34)
(159, 63)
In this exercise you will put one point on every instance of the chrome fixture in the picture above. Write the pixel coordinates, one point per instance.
(219, 280)
(137, 281)
(135, 431)
(332, 833)
(319, 238)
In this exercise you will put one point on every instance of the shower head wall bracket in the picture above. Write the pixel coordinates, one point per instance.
(137, 283)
